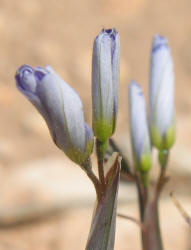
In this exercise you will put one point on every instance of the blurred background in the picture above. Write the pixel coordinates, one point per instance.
(46, 201)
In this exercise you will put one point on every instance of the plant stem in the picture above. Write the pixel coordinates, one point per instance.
(102, 231)
(132, 219)
(152, 239)
(87, 167)
(149, 212)
(142, 195)
(151, 236)
(184, 214)
(161, 180)
(101, 148)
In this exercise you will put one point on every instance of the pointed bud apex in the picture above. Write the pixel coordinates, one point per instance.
(105, 83)
(139, 128)
(61, 108)
(162, 113)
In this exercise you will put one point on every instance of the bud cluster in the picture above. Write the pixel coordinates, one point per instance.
(61, 106)
(62, 109)
(158, 128)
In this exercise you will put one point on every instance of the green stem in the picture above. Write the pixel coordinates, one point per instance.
(163, 160)
(145, 180)
(142, 188)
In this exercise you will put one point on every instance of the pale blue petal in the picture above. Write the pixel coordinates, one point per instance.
(65, 108)
(161, 85)
(138, 121)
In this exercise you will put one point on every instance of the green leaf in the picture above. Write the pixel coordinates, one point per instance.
(102, 232)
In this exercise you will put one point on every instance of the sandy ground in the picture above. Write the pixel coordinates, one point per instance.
(32, 170)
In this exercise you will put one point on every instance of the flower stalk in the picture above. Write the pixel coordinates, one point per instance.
(101, 148)
(162, 131)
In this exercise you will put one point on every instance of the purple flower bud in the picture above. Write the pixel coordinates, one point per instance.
(162, 111)
(61, 108)
(139, 128)
(105, 83)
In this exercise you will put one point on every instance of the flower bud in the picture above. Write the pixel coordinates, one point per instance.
(139, 128)
(61, 108)
(162, 113)
(105, 83)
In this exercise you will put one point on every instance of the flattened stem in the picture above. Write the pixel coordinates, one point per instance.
(102, 232)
